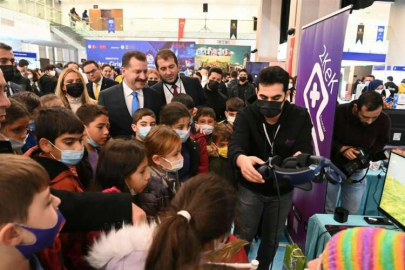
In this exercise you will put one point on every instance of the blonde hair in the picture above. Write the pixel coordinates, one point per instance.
(161, 140)
(153, 71)
(85, 98)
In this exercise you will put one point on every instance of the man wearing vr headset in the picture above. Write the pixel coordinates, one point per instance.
(359, 125)
(267, 127)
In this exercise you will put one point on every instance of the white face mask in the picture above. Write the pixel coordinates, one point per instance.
(175, 165)
(15, 144)
(207, 129)
(131, 190)
(30, 77)
(231, 119)
(290, 85)
(52, 73)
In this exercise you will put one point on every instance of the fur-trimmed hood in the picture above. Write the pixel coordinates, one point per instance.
(126, 248)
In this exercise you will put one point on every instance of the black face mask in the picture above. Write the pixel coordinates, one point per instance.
(150, 83)
(269, 109)
(213, 86)
(75, 89)
(242, 79)
(8, 72)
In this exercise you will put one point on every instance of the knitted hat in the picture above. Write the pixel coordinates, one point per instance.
(365, 248)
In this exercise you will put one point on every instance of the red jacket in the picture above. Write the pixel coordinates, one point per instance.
(203, 166)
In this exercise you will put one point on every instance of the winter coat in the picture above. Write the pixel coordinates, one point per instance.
(203, 154)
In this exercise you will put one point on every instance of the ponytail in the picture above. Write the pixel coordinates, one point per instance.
(179, 242)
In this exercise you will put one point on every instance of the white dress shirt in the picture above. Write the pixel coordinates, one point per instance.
(168, 89)
(129, 97)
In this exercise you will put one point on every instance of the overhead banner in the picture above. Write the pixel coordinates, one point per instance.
(234, 29)
(226, 57)
(380, 33)
(111, 24)
(111, 51)
(182, 24)
(318, 75)
(360, 33)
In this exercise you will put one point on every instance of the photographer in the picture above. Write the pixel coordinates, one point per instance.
(268, 126)
(361, 130)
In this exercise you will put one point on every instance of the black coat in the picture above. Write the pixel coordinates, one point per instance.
(249, 139)
(217, 101)
(120, 119)
(192, 86)
(247, 90)
(22, 81)
(105, 83)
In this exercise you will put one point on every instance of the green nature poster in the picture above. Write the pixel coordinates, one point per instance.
(226, 57)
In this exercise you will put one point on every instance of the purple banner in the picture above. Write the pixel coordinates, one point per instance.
(317, 89)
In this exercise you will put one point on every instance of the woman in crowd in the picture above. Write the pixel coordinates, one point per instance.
(34, 79)
(72, 89)
(291, 91)
(153, 77)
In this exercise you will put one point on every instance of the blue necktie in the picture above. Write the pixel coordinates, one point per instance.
(135, 102)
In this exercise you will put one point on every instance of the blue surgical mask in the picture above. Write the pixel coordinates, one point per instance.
(44, 237)
(90, 140)
(32, 126)
(70, 157)
(184, 134)
(367, 83)
(143, 132)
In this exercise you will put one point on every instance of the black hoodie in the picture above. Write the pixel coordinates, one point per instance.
(249, 139)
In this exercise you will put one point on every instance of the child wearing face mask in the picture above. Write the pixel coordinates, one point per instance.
(205, 119)
(163, 147)
(96, 125)
(219, 163)
(28, 225)
(233, 106)
(33, 104)
(143, 121)
(14, 130)
(123, 167)
(61, 152)
(178, 117)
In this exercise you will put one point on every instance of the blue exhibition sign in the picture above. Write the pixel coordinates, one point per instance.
(111, 51)
(380, 33)
(111, 24)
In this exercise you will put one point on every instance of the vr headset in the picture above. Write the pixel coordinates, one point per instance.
(300, 171)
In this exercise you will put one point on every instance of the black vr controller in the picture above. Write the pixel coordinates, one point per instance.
(300, 171)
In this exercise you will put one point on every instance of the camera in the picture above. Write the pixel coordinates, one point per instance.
(362, 161)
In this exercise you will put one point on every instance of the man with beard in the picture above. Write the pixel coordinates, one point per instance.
(172, 83)
(124, 99)
(360, 124)
(7, 66)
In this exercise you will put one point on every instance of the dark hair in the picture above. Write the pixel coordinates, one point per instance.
(243, 70)
(21, 179)
(23, 63)
(118, 71)
(185, 99)
(222, 132)
(54, 122)
(178, 243)
(372, 100)
(89, 62)
(234, 74)
(165, 54)
(4, 46)
(29, 99)
(215, 70)
(205, 111)
(140, 56)
(87, 113)
(71, 62)
(199, 74)
(273, 75)
(141, 113)
(16, 111)
(34, 74)
(119, 159)
(250, 78)
(235, 104)
(49, 67)
(171, 113)
(106, 65)
(372, 76)
(390, 78)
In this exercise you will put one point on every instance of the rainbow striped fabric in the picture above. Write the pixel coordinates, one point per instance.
(365, 249)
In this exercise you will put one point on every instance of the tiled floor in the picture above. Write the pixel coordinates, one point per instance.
(278, 260)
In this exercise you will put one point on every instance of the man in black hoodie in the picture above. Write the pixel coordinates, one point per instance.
(268, 126)
(216, 100)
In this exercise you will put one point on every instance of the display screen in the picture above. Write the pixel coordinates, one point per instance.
(392, 202)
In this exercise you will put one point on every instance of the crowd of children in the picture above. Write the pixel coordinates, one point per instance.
(174, 167)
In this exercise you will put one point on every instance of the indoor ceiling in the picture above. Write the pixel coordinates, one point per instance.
(230, 2)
